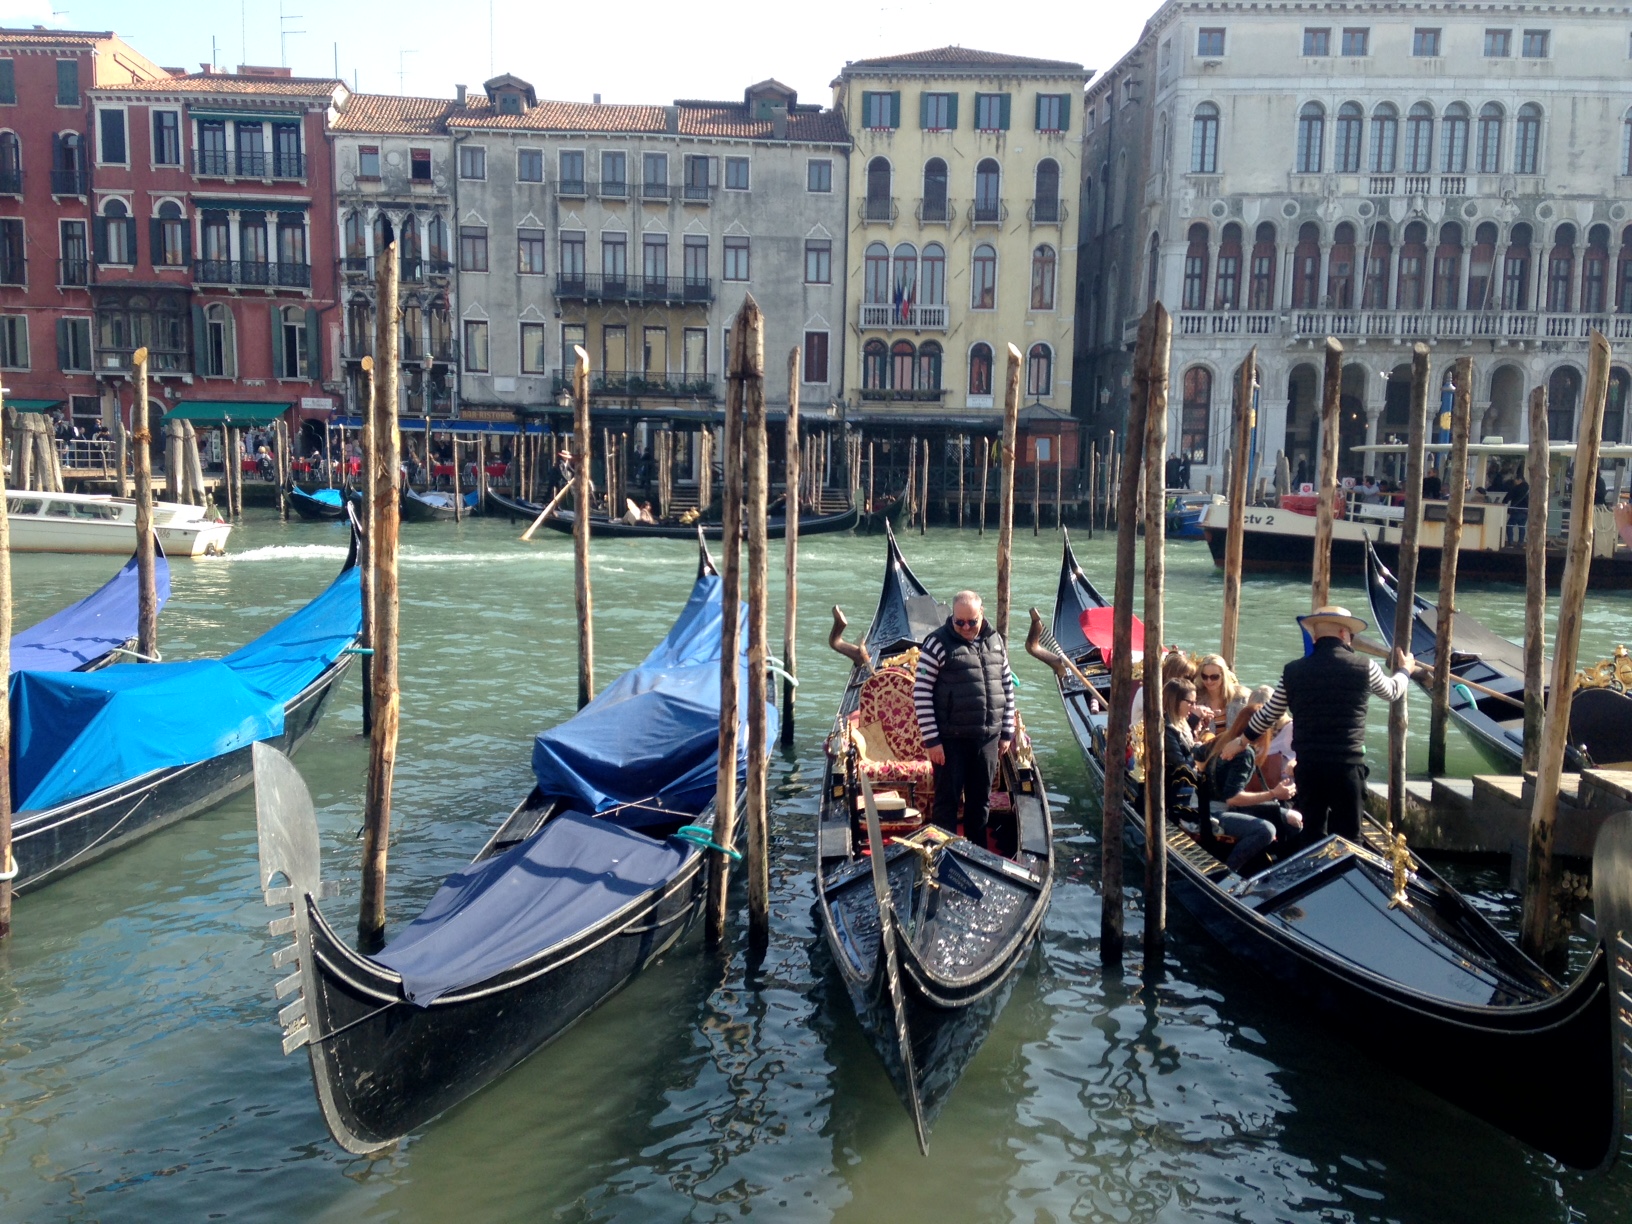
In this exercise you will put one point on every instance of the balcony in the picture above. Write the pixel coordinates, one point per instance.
(572, 187)
(895, 395)
(214, 162)
(158, 361)
(13, 271)
(988, 212)
(934, 212)
(697, 194)
(1047, 212)
(1229, 323)
(11, 182)
(1503, 327)
(74, 271)
(251, 164)
(891, 317)
(881, 211)
(68, 182)
(252, 272)
(636, 384)
(642, 290)
(288, 165)
(659, 192)
(612, 190)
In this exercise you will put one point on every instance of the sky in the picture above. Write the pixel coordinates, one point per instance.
(635, 51)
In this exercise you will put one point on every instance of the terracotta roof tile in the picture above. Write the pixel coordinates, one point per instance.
(54, 38)
(736, 123)
(963, 57)
(562, 117)
(222, 83)
(391, 115)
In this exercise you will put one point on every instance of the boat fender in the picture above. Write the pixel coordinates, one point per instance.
(704, 838)
(1462, 691)
(10, 873)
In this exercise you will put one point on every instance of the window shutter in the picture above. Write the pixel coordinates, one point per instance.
(952, 111)
(229, 348)
(201, 342)
(895, 108)
(1003, 113)
(155, 240)
(99, 239)
(56, 153)
(923, 110)
(1065, 112)
(133, 250)
(713, 172)
(314, 347)
(186, 243)
(62, 344)
(277, 343)
(1037, 113)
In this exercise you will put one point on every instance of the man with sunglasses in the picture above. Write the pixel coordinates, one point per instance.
(964, 698)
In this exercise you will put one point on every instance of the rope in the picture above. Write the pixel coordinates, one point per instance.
(10, 873)
(154, 658)
(699, 836)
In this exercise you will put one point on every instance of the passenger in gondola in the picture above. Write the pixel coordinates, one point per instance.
(1257, 816)
(1217, 689)
(646, 516)
(1181, 753)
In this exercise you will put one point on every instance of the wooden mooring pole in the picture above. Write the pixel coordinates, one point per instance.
(580, 527)
(1005, 492)
(458, 501)
(1331, 400)
(366, 560)
(1235, 535)
(1150, 384)
(280, 439)
(757, 496)
(384, 492)
(1406, 587)
(1538, 475)
(1059, 478)
(1093, 488)
(963, 443)
(985, 476)
(1542, 935)
(8, 868)
(790, 603)
(1455, 473)
(147, 614)
(923, 492)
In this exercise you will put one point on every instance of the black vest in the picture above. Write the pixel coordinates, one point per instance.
(1326, 694)
(969, 687)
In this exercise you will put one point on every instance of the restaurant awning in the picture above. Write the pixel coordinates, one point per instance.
(227, 412)
(28, 405)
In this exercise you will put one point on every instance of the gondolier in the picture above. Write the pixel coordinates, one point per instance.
(964, 697)
(1326, 693)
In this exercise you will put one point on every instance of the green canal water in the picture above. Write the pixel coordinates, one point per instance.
(141, 1076)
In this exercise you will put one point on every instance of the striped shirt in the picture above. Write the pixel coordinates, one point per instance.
(930, 657)
(1389, 688)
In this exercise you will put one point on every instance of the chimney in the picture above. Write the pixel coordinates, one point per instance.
(459, 96)
(671, 119)
(597, 99)
(779, 122)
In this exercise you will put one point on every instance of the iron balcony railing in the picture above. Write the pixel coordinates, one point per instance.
(175, 361)
(289, 165)
(876, 209)
(903, 318)
(251, 164)
(74, 271)
(698, 193)
(1047, 211)
(988, 212)
(935, 211)
(216, 162)
(571, 187)
(13, 271)
(11, 182)
(899, 395)
(612, 189)
(655, 191)
(252, 272)
(651, 290)
(67, 182)
(638, 384)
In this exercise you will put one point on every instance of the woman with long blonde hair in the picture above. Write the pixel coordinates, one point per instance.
(1216, 689)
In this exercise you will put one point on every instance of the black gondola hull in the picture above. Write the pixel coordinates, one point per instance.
(314, 510)
(775, 528)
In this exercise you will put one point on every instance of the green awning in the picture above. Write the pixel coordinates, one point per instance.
(249, 204)
(249, 114)
(227, 412)
(27, 405)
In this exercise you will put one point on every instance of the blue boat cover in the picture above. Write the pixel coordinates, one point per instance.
(573, 873)
(651, 737)
(329, 497)
(75, 733)
(87, 630)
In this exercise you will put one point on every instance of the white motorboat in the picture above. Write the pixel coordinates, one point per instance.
(89, 523)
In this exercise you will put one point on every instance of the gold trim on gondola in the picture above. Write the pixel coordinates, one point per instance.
(1613, 673)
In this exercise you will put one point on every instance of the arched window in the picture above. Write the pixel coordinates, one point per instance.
(384, 233)
(1311, 137)
(359, 327)
(988, 184)
(980, 369)
(1453, 140)
(1340, 273)
(1306, 268)
(878, 189)
(875, 366)
(1516, 270)
(218, 347)
(932, 275)
(1563, 393)
(1481, 266)
(1448, 266)
(904, 282)
(983, 278)
(1623, 275)
(1042, 278)
(355, 239)
(436, 243)
(1487, 152)
(1228, 296)
(876, 273)
(1040, 371)
(1595, 271)
(1153, 267)
(935, 190)
(1419, 139)
(1527, 140)
(929, 366)
(413, 330)
(1561, 270)
(117, 243)
(1385, 138)
(1195, 269)
(1351, 122)
(1626, 143)
(170, 237)
(1195, 418)
(1620, 382)
(11, 162)
(903, 360)
(1374, 294)
(1204, 140)
(408, 250)
(1046, 203)
(1413, 255)
(1261, 291)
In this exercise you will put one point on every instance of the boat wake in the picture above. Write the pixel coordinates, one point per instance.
(287, 552)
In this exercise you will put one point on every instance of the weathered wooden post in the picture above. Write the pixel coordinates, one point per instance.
(1005, 491)
(1150, 385)
(366, 557)
(1036, 489)
(384, 493)
(1059, 479)
(1108, 466)
(872, 506)
(1331, 400)
(1541, 934)
(8, 869)
(1538, 475)
(281, 468)
(147, 615)
(757, 499)
(1456, 472)
(790, 603)
(1093, 488)
(923, 488)
(725, 777)
(1405, 607)
(121, 443)
(580, 527)
(1235, 536)
(985, 476)
(458, 499)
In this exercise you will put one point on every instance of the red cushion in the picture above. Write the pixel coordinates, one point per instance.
(886, 698)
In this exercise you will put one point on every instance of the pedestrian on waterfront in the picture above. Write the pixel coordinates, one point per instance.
(1518, 509)
(1302, 478)
(1326, 693)
(964, 698)
(1173, 474)
(1184, 472)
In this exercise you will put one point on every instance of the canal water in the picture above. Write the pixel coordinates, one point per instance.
(141, 1076)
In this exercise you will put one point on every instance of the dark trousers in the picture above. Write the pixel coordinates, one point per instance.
(971, 767)
(1331, 798)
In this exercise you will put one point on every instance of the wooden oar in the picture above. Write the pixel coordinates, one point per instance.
(546, 512)
(1367, 646)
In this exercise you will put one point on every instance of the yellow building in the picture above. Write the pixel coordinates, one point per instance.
(961, 241)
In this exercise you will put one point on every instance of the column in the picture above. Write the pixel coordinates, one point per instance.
(1323, 296)
(1466, 272)
(1374, 414)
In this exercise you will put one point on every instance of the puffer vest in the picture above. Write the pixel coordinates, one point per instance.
(1326, 694)
(969, 687)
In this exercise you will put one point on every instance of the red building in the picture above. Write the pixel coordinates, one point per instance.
(213, 240)
(46, 321)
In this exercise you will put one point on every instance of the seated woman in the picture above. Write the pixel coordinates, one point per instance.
(1216, 688)
(1256, 815)
(1182, 784)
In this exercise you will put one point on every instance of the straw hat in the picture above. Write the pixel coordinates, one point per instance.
(1331, 614)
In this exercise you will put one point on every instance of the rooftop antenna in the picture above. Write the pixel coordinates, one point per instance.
(402, 70)
(243, 31)
(490, 61)
(284, 31)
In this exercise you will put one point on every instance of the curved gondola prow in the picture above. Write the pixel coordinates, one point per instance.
(291, 877)
(891, 620)
(1612, 910)
(705, 559)
(355, 547)
(1076, 594)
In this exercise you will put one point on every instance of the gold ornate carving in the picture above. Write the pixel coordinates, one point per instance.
(1399, 858)
(1614, 673)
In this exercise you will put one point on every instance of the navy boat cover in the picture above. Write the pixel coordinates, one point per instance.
(85, 631)
(75, 733)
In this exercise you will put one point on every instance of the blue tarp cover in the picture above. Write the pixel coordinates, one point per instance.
(653, 734)
(329, 497)
(75, 733)
(571, 874)
(90, 628)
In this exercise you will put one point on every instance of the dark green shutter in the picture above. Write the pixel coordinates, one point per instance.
(314, 347)
(952, 111)
(277, 343)
(923, 111)
(201, 342)
(895, 108)
(131, 230)
(99, 239)
(62, 344)
(1003, 113)
(1065, 112)
(186, 243)
(155, 238)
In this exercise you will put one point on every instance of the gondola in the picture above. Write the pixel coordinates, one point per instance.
(434, 506)
(775, 527)
(928, 957)
(1600, 718)
(887, 511)
(94, 632)
(321, 505)
(100, 760)
(1423, 982)
(592, 877)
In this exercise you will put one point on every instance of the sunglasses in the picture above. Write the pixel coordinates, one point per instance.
(966, 624)
(1211, 677)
